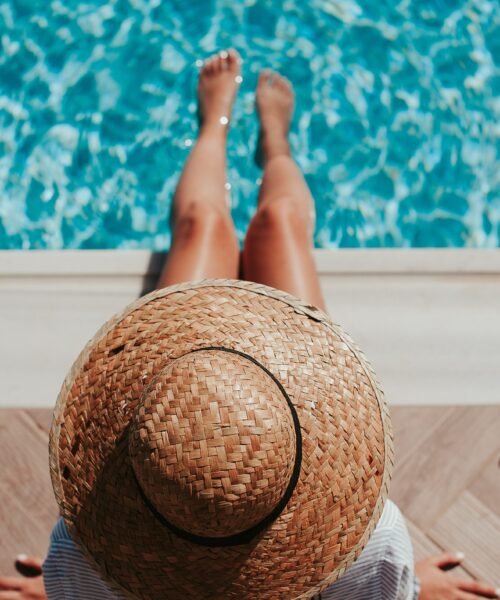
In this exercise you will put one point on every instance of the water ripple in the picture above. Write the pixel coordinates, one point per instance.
(396, 126)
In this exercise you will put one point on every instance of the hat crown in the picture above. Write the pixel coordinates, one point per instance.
(213, 443)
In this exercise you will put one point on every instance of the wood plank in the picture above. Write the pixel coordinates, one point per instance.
(468, 525)
(412, 425)
(486, 486)
(445, 463)
(424, 547)
(42, 417)
(28, 507)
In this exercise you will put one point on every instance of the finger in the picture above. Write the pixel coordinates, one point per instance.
(480, 589)
(29, 566)
(467, 596)
(448, 560)
(11, 583)
(10, 596)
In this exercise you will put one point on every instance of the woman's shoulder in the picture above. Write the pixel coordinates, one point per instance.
(384, 569)
(391, 516)
(390, 540)
(60, 531)
(67, 573)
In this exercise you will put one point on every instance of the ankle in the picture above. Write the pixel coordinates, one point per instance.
(273, 146)
(214, 128)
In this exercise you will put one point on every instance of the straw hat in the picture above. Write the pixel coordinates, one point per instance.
(220, 439)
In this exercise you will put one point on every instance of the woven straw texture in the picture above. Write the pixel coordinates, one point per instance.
(191, 395)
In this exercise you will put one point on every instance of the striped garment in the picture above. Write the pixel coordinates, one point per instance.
(383, 571)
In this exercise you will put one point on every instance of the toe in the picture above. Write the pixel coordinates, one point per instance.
(219, 64)
(212, 64)
(223, 60)
(206, 67)
(283, 83)
(264, 77)
(233, 60)
(273, 78)
(215, 64)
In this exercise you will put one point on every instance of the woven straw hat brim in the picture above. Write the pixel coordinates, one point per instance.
(347, 452)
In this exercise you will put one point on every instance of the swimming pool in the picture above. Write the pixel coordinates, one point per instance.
(396, 126)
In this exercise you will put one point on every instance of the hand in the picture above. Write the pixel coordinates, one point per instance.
(24, 588)
(436, 584)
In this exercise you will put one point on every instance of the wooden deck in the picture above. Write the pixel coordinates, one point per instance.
(447, 482)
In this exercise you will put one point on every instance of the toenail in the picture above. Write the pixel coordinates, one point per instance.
(238, 78)
(223, 54)
(223, 120)
(199, 63)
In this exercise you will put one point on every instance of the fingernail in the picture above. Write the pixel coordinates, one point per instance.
(460, 555)
(21, 556)
(497, 592)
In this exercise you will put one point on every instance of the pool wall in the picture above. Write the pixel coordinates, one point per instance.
(429, 320)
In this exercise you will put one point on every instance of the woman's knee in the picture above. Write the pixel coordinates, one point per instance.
(281, 215)
(204, 220)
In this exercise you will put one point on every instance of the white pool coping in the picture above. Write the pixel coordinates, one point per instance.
(428, 319)
(130, 263)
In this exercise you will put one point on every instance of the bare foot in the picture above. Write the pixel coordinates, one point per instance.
(219, 81)
(275, 102)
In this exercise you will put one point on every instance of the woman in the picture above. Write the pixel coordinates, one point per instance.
(278, 251)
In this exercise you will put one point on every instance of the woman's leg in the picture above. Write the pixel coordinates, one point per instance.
(204, 242)
(278, 245)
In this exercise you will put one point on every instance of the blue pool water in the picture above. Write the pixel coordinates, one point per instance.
(396, 126)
